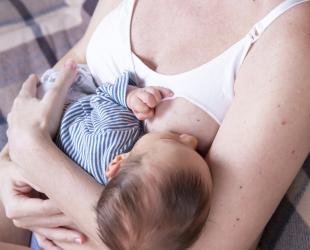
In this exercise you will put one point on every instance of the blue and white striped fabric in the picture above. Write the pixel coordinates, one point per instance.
(98, 127)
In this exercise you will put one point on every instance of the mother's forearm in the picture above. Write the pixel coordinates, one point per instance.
(75, 192)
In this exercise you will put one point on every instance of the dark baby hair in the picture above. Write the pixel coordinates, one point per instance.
(143, 209)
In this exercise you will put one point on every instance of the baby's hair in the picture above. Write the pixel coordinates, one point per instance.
(150, 209)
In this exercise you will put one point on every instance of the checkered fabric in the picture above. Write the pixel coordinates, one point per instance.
(35, 34)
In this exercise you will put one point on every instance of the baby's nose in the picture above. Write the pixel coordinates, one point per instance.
(189, 140)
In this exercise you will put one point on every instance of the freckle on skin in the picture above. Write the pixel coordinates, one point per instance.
(279, 106)
(197, 120)
(240, 187)
(283, 122)
(293, 152)
(237, 219)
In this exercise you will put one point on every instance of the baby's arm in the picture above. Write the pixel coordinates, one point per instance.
(143, 101)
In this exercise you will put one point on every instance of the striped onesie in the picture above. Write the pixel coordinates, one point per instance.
(97, 127)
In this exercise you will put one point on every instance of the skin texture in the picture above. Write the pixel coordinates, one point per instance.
(253, 169)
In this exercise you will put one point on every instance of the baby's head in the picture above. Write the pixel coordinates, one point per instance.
(157, 197)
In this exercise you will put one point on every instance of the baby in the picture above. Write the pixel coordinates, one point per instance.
(157, 187)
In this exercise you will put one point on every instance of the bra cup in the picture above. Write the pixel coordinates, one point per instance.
(209, 86)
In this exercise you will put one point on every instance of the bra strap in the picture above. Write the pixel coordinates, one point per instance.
(263, 24)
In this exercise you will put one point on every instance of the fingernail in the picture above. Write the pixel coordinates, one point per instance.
(78, 241)
(171, 93)
(70, 64)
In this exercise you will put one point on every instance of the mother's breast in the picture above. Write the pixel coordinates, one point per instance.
(181, 116)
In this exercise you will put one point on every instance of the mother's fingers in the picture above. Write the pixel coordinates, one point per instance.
(59, 89)
(29, 87)
(30, 207)
(45, 243)
(60, 234)
(52, 221)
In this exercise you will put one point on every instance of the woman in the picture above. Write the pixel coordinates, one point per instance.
(253, 125)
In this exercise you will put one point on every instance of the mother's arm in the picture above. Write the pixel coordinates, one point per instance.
(78, 53)
(70, 175)
(74, 191)
(42, 164)
(265, 136)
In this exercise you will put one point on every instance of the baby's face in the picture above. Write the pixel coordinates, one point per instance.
(173, 150)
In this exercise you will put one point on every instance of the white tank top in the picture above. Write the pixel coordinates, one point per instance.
(209, 86)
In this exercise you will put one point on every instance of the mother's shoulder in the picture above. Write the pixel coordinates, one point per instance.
(281, 55)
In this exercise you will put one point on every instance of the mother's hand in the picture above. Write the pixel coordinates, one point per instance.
(32, 123)
(34, 214)
(31, 118)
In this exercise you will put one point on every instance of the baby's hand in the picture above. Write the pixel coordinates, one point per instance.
(142, 101)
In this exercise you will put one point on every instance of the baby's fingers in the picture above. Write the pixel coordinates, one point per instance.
(154, 92)
(147, 98)
(160, 92)
(138, 106)
(144, 116)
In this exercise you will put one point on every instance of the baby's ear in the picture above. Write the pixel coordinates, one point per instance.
(115, 166)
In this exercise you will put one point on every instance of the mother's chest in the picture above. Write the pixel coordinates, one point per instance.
(174, 39)
(180, 116)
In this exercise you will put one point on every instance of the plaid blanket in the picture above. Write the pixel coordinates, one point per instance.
(35, 34)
